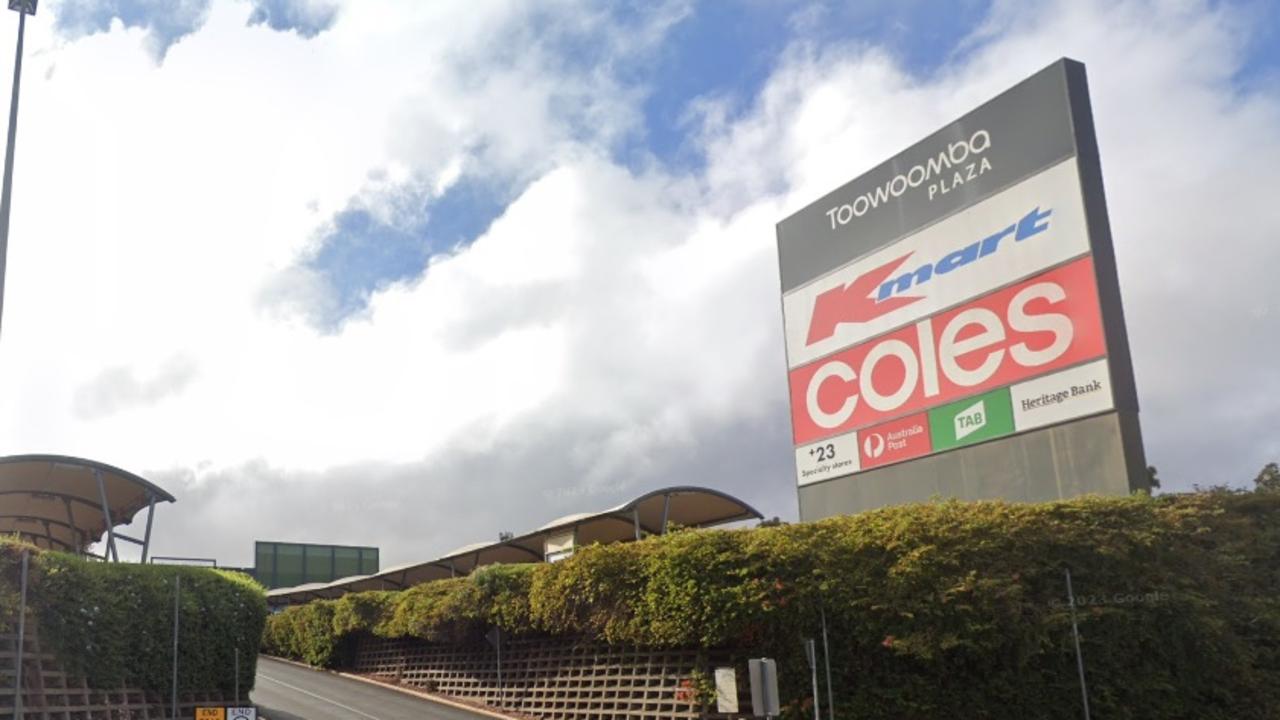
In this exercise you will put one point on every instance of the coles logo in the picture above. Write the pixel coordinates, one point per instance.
(1036, 326)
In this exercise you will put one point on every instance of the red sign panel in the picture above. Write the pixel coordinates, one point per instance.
(1036, 326)
(895, 441)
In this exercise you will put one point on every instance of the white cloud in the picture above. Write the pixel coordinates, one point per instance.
(614, 329)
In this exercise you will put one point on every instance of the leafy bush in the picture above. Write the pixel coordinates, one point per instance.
(112, 623)
(933, 610)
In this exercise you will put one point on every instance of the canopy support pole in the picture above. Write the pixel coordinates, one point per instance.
(666, 511)
(146, 537)
(106, 515)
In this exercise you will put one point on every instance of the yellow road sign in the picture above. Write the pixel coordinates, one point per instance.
(211, 713)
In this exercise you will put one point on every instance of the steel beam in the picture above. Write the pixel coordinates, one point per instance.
(146, 537)
(106, 515)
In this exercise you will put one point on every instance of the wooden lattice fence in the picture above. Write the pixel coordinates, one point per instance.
(551, 678)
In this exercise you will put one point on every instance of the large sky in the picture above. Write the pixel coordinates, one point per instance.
(413, 273)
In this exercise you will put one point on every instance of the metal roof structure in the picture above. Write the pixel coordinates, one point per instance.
(69, 503)
(649, 514)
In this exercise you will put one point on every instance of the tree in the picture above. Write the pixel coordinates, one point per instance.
(1268, 479)
(1151, 477)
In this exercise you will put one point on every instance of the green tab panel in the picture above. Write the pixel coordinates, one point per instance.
(972, 420)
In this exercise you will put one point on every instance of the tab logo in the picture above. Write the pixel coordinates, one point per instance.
(854, 302)
(971, 420)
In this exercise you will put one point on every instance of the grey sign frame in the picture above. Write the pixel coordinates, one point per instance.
(1037, 123)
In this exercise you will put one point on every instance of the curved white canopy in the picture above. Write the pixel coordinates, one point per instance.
(649, 514)
(69, 503)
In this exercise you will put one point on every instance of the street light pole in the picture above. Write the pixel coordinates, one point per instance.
(23, 8)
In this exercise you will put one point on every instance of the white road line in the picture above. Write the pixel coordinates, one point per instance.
(295, 688)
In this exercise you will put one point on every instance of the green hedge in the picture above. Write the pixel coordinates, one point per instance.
(112, 623)
(938, 610)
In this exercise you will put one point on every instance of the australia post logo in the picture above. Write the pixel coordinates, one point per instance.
(902, 282)
(1041, 324)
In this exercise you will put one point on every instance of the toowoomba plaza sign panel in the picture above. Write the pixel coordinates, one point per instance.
(952, 317)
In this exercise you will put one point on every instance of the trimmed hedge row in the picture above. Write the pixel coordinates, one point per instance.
(112, 623)
(936, 610)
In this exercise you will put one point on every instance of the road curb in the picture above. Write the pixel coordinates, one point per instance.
(401, 689)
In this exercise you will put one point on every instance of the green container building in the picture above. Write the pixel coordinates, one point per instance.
(283, 564)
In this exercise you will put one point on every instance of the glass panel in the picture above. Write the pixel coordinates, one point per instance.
(368, 561)
(264, 561)
(288, 565)
(346, 562)
(319, 563)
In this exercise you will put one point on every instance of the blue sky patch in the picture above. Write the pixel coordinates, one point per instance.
(728, 51)
(166, 21)
(361, 254)
(308, 18)
(1262, 59)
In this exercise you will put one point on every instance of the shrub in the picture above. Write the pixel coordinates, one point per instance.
(933, 610)
(112, 623)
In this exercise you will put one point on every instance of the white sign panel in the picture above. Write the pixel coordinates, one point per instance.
(1034, 225)
(726, 690)
(1069, 394)
(242, 713)
(827, 458)
(558, 547)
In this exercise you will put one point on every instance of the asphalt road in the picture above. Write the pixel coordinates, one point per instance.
(289, 692)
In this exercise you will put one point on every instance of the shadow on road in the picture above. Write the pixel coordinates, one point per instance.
(266, 713)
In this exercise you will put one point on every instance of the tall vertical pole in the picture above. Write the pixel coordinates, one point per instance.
(237, 701)
(22, 639)
(177, 590)
(502, 701)
(826, 659)
(811, 653)
(1075, 632)
(7, 193)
